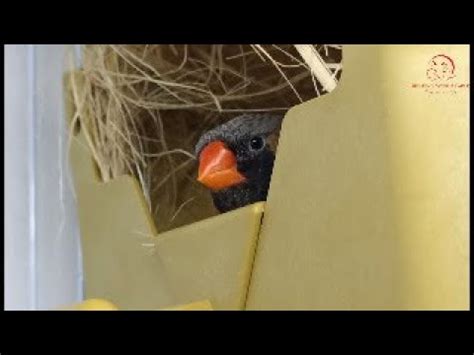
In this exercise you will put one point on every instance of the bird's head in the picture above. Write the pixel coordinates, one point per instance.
(239, 151)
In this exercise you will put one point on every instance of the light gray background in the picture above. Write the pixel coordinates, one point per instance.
(42, 248)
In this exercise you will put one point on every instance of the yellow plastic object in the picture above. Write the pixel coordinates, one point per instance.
(368, 204)
(98, 304)
(195, 306)
(94, 305)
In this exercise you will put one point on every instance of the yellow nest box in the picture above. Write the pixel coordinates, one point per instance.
(367, 208)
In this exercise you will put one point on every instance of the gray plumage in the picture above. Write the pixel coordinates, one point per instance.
(241, 127)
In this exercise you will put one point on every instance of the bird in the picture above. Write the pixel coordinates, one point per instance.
(236, 159)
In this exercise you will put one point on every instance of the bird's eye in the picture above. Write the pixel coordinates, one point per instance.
(256, 143)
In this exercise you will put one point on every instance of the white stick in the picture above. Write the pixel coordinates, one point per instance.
(317, 65)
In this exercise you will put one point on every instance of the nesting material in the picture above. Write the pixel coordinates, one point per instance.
(143, 108)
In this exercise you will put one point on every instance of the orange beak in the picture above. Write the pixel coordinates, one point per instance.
(218, 167)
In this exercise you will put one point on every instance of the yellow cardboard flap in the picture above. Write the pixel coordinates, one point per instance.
(127, 262)
(195, 306)
(368, 203)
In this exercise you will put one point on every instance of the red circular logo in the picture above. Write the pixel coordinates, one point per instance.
(440, 68)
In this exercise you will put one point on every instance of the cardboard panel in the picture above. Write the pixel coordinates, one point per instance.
(127, 263)
(195, 306)
(368, 205)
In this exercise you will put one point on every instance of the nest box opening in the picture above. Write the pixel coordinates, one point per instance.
(144, 108)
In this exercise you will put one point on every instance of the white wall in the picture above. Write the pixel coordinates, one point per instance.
(42, 252)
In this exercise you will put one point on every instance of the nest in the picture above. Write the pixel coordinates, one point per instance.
(143, 107)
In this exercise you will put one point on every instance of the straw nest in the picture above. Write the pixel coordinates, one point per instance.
(143, 107)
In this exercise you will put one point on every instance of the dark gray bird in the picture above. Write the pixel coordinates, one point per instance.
(236, 159)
